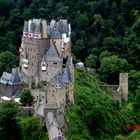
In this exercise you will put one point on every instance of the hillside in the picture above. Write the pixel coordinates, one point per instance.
(95, 115)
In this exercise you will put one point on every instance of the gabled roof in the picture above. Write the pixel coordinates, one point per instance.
(55, 34)
(63, 79)
(66, 77)
(64, 26)
(56, 29)
(58, 80)
(15, 75)
(52, 52)
(10, 78)
(5, 78)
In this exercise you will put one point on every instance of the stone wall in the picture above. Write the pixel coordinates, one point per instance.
(123, 83)
(27, 111)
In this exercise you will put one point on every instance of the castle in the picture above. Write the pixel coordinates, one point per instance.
(45, 56)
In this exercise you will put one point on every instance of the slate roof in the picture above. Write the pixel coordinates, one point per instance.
(66, 77)
(64, 26)
(56, 29)
(52, 53)
(37, 30)
(5, 77)
(38, 25)
(58, 80)
(63, 79)
(10, 78)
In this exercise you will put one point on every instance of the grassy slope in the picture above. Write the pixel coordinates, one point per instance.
(95, 115)
(86, 90)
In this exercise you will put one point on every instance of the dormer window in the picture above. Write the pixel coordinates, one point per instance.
(25, 63)
(43, 66)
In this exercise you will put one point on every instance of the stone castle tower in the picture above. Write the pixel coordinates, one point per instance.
(45, 56)
(123, 83)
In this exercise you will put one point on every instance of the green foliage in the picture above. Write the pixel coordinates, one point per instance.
(137, 100)
(133, 136)
(9, 128)
(92, 116)
(32, 129)
(7, 61)
(111, 66)
(6, 6)
(26, 97)
(105, 25)
(91, 61)
(104, 54)
(13, 127)
(134, 81)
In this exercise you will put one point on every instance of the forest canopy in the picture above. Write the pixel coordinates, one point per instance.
(98, 27)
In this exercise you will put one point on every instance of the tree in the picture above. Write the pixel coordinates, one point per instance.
(98, 23)
(134, 81)
(6, 6)
(9, 128)
(114, 10)
(137, 100)
(92, 116)
(110, 68)
(81, 20)
(7, 61)
(26, 97)
(91, 61)
(104, 54)
(32, 129)
(111, 44)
